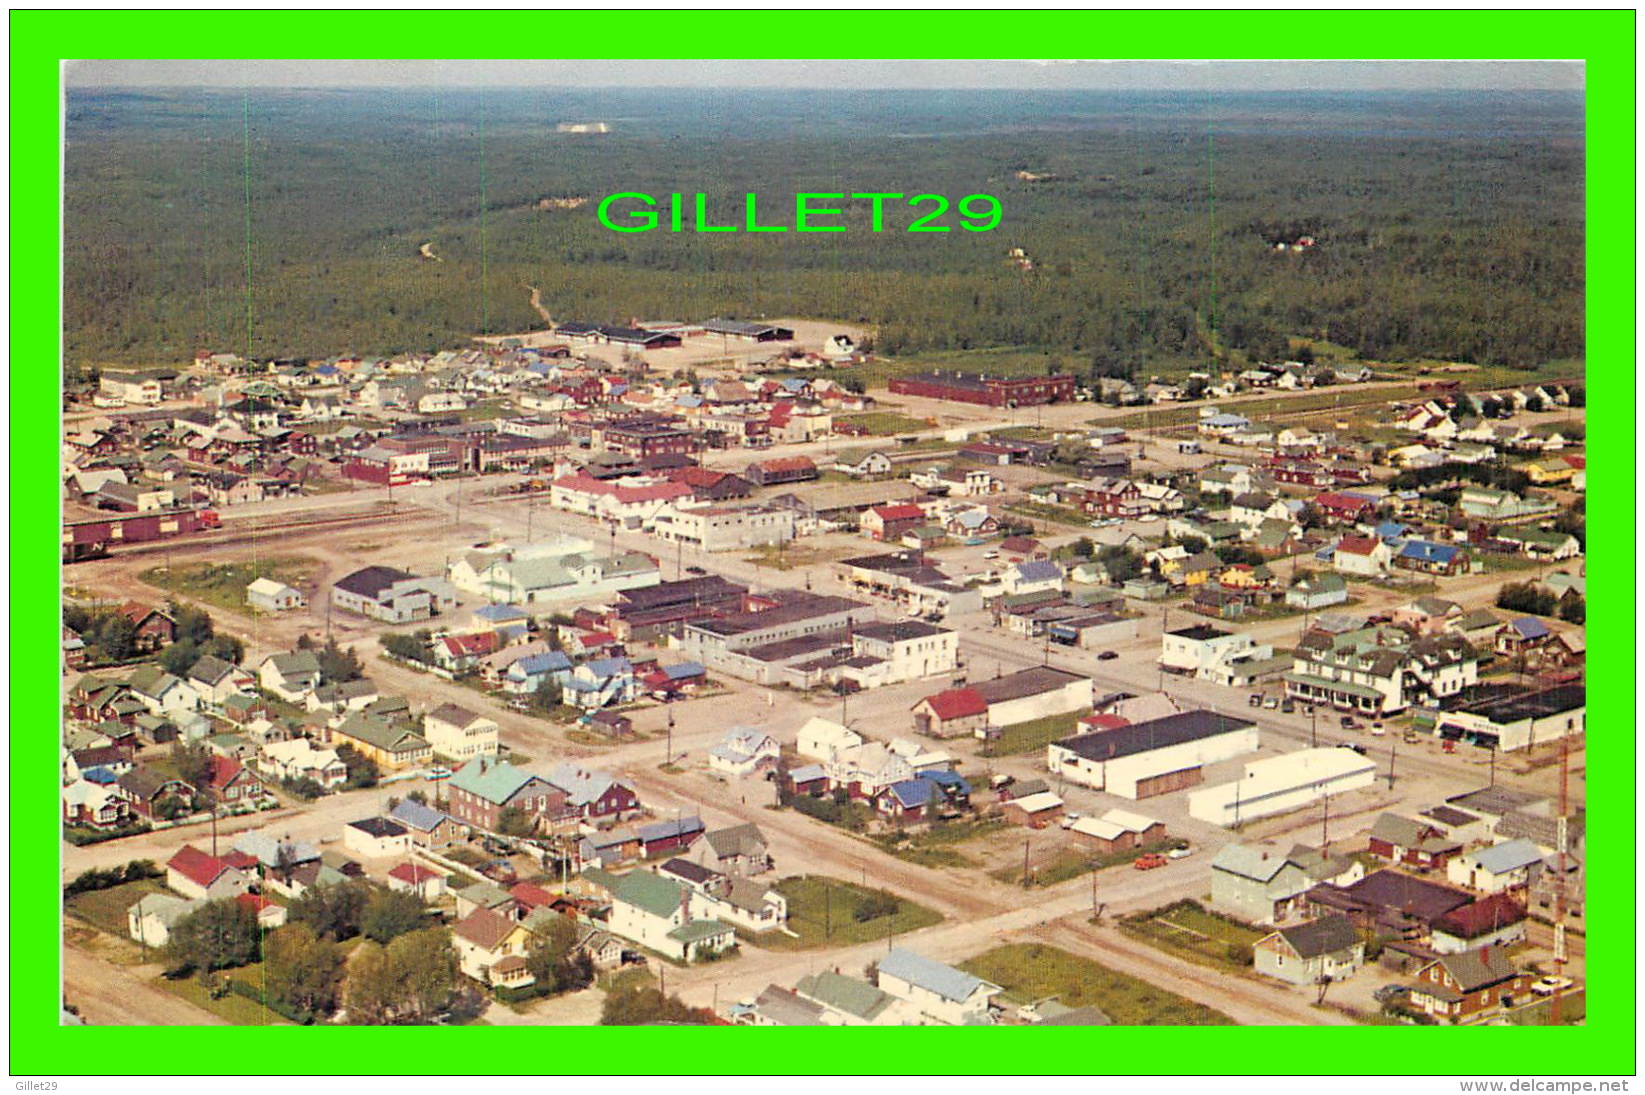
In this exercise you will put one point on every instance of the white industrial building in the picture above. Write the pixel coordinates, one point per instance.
(1211, 654)
(1519, 722)
(723, 528)
(1154, 757)
(1281, 784)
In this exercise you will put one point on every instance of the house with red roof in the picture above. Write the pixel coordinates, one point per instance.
(630, 501)
(229, 781)
(154, 627)
(194, 873)
(890, 522)
(457, 653)
(1363, 556)
(782, 469)
(1496, 920)
(270, 914)
(1344, 509)
(951, 713)
(415, 878)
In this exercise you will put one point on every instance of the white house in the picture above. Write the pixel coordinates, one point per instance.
(825, 741)
(377, 838)
(460, 734)
(290, 676)
(743, 751)
(272, 596)
(939, 992)
(1505, 866)
(655, 912)
(151, 919)
(300, 759)
(1327, 949)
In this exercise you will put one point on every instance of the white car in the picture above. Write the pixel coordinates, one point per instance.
(1070, 817)
(1270, 704)
(1179, 853)
(1550, 985)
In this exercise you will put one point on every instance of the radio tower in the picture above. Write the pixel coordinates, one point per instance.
(1559, 880)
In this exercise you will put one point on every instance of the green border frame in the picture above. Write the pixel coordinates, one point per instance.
(1604, 39)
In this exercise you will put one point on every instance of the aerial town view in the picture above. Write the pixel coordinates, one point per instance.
(1162, 606)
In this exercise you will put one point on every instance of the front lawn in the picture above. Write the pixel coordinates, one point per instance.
(1036, 734)
(823, 911)
(105, 910)
(230, 1007)
(934, 845)
(1190, 931)
(223, 585)
(1030, 972)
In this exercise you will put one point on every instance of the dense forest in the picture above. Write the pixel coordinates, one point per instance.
(289, 223)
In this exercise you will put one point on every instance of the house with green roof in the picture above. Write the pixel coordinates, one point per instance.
(849, 1002)
(392, 748)
(658, 913)
(482, 789)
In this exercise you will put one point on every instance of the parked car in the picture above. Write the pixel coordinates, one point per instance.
(1287, 707)
(1256, 699)
(1107, 656)
(1270, 704)
(1354, 745)
(1388, 993)
(1150, 861)
(990, 555)
(1348, 723)
(439, 771)
(1551, 984)
(500, 870)
(1378, 730)
(699, 571)
(1069, 818)
(1182, 852)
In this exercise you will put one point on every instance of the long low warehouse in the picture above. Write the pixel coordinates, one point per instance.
(1281, 784)
(1154, 757)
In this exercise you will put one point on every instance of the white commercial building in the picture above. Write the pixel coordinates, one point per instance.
(723, 528)
(1154, 757)
(1281, 784)
(1212, 654)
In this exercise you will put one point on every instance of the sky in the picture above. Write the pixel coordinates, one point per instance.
(767, 73)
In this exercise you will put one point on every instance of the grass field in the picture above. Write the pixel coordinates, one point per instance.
(232, 1007)
(820, 913)
(1188, 930)
(105, 910)
(1030, 972)
(223, 585)
(1044, 511)
(1026, 737)
(883, 423)
(934, 846)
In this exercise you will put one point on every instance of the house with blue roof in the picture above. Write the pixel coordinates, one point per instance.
(1427, 557)
(939, 992)
(1033, 576)
(744, 751)
(429, 828)
(950, 785)
(600, 682)
(527, 675)
(1510, 865)
(593, 795)
(906, 800)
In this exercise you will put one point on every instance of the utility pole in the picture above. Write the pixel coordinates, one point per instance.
(1393, 753)
(1325, 828)
(668, 746)
(1025, 843)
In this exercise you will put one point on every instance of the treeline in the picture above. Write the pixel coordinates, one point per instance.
(1156, 246)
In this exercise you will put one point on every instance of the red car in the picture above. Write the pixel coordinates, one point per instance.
(1150, 861)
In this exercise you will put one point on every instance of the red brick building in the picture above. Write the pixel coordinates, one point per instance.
(990, 391)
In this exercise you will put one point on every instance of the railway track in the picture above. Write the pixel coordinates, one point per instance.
(249, 529)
